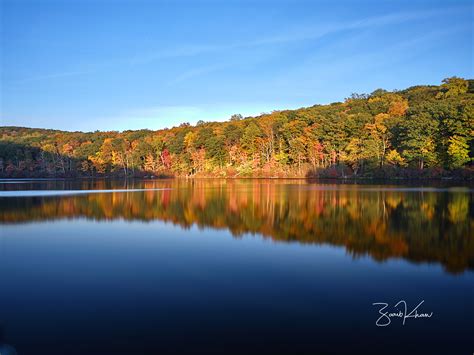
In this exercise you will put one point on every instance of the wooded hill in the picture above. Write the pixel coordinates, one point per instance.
(422, 131)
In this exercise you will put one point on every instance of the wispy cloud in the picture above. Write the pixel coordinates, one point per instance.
(313, 74)
(303, 33)
(291, 36)
(298, 34)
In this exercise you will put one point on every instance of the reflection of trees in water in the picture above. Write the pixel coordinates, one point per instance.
(432, 226)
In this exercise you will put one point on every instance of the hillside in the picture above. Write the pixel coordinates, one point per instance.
(422, 131)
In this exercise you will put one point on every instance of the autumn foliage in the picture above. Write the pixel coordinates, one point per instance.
(422, 131)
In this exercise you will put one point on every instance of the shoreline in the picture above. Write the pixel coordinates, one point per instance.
(323, 179)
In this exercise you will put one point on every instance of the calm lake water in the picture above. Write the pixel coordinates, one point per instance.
(235, 266)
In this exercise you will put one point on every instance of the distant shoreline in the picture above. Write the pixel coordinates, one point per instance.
(323, 179)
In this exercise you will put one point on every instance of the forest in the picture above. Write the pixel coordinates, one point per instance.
(419, 132)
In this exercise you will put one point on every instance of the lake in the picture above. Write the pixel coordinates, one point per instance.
(235, 266)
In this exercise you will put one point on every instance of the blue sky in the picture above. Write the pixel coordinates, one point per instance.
(117, 65)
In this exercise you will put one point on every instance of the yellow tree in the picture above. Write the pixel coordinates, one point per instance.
(395, 106)
(98, 163)
(379, 133)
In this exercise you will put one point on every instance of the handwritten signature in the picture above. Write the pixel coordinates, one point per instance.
(386, 317)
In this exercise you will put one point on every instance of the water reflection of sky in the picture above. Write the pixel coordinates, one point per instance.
(89, 282)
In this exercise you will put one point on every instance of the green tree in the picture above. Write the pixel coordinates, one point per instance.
(453, 86)
(418, 139)
(251, 137)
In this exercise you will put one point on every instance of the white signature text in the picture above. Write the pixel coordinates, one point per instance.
(400, 310)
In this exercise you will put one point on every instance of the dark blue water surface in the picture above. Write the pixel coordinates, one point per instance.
(236, 266)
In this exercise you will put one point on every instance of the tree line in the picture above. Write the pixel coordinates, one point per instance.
(422, 131)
